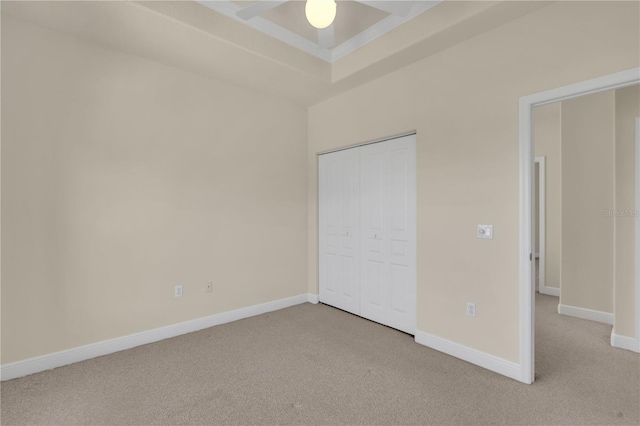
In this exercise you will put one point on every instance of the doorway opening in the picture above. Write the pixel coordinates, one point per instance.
(541, 229)
(528, 206)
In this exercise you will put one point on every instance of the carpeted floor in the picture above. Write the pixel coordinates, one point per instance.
(312, 364)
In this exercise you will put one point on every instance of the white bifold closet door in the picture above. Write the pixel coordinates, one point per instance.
(340, 229)
(368, 232)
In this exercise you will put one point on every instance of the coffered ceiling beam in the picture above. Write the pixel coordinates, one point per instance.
(258, 8)
(394, 7)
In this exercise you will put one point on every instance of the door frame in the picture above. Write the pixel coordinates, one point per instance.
(637, 174)
(527, 202)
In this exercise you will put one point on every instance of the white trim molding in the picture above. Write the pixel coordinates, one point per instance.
(527, 202)
(584, 313)
(82, 353)
(465, 353)
(637, 175)
(313, 298)
(624, 342)
(550, 291)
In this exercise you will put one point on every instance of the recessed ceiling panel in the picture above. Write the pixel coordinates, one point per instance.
(290, 15)
(357, 22)
(352, 18)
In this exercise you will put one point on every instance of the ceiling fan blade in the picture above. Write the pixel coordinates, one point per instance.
(327, 37)
(394, 7)
(258, 8)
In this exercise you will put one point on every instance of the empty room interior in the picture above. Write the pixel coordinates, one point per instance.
(320, 212)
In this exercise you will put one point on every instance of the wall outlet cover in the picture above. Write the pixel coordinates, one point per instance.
(471, 309)
(485, 231)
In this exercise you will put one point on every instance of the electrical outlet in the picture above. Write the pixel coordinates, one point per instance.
(471, 310)
(177, 291)
(485, 231)
(209, 288)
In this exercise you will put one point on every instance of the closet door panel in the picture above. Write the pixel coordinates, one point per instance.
(374, 199)
(340, 230)
(398, 180)
(401, 257)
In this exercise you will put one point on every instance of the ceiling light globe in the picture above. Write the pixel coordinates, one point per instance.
(320, 13)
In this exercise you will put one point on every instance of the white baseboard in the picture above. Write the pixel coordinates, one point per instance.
(474, 356)
(624, 342)
(585, 313)
(313, 298)
(70, 356)
(550, 291)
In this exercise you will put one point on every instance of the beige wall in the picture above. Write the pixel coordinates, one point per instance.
(463, 102)
(548, 141)
(587, 193)
(122, 178)
(627, 109)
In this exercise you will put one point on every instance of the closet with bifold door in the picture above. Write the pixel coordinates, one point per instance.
(367, 226)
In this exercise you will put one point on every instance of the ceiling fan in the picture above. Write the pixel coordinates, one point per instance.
(321, 13)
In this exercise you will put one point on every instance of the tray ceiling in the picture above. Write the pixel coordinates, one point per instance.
(357, 22)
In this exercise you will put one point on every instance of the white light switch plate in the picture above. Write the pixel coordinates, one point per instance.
(485, 231)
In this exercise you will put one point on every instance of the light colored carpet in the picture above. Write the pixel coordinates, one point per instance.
(312, 364)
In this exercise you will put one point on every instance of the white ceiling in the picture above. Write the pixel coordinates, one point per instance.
(357, 22)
